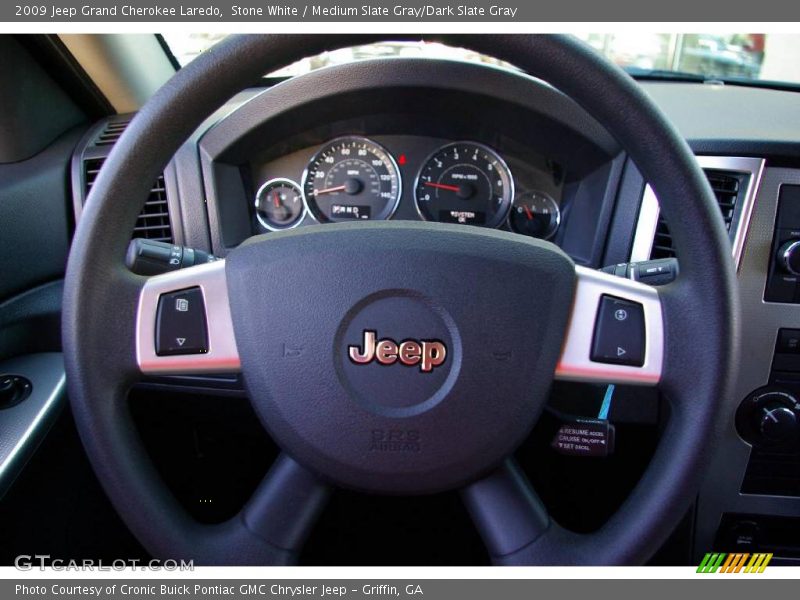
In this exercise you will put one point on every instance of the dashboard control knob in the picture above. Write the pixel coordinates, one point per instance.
(778, 423)
(770, 416)
(13, 390)
(789, 257)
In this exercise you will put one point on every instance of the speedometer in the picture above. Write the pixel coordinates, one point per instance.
(465, 182)
(351, 179)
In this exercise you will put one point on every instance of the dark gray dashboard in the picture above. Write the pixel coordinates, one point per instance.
(732, 119)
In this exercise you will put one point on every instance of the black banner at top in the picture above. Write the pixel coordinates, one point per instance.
(375, 11)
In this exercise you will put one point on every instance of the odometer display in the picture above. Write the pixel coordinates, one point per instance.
(351, 179)
(466, 183)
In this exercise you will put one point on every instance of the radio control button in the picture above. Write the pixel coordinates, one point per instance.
(619, 332)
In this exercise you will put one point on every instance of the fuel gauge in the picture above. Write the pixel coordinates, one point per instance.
(535, 214)
(279, 204)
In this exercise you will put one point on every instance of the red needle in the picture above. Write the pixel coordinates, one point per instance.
(276, 200)
(442, 186)
(338, 188)
(528, 212)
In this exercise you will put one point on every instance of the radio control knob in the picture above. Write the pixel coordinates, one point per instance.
(778, 424)
(789, 257)
(776, 418)
(770, 416)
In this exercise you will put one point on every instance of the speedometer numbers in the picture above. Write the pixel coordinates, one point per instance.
(351, 179)
(467, 183)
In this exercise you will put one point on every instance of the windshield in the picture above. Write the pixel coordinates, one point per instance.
(740, 57)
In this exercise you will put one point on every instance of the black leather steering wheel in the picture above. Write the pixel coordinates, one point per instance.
(452, 426)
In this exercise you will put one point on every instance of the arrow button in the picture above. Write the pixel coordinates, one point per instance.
(181, 323)
(619, 332)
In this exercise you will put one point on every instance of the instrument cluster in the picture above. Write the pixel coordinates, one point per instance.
(355, 178)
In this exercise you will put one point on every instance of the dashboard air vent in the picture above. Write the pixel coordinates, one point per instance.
(111, 133)
(153, 222)
(727, 187)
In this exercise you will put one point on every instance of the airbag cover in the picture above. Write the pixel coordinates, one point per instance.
(399, 357)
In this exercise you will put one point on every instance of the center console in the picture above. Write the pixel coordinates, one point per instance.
(750, 499)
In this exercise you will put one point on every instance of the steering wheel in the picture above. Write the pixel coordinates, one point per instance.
(465, 329)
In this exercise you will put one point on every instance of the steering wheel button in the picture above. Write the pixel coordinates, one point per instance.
(181, 323)
(619, 332)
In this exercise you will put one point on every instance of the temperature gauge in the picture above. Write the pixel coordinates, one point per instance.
(535, 214)
(279, 204)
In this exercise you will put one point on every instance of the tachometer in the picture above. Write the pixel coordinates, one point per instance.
(351, 179)
(464, 182)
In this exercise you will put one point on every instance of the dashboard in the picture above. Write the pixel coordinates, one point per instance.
(408, 139)
(409, 177)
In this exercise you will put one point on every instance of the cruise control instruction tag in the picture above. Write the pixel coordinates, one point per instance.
(584, 437)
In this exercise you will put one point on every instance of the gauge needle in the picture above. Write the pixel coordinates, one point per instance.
(528, 212)
(338, 188)
(276, 200)
(442, 186)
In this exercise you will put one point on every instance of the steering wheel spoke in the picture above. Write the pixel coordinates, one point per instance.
(284, 508)
(184, 323)
(615, 332)
(507, 512)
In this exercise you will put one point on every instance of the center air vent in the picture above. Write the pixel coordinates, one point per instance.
(153, 222)
(728, 187)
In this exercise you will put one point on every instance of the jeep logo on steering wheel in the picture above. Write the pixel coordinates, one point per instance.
(428, 354)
